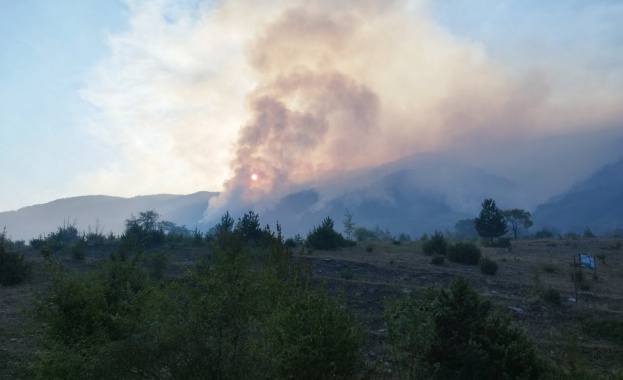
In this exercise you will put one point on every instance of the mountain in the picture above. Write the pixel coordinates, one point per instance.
(103, 212)
(413, 195)
(596, 203)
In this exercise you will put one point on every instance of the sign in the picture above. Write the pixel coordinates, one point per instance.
(587, 261)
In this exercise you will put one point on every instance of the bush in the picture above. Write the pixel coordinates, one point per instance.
(369, 248)
(365, 234)
(435, 244)
(325, 237)
(503, 242)
(551, 295)
(63, 237)
(464, 253)
(347, 274)
(13, 268)
(437, 259)
(456, 335)
(544, 234)
(245, 314)
(548, 267)
(78, 252)
(488, 266)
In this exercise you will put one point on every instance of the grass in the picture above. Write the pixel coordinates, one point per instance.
(384, 275)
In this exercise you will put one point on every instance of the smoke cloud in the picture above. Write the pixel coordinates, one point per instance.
(295, 92)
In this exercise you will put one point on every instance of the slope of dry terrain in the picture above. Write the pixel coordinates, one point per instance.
(587, 332)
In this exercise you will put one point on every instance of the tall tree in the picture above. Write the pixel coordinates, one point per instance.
(491, 222)
(517, 218)
(349, 225)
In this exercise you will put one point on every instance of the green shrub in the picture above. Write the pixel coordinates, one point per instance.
(437, 259)
(488, 266)
(544, 234)
(548, 267)
(13, 268)
(325, 237)
(290, 243)
(78, 252)
(250, 312)
(608, 329)
(456, 335)
(435, 244)
(365, 234)
(464, 253)
(551, 295)
(347, 274)
(503, 242)
(157, 264)
(369, 248)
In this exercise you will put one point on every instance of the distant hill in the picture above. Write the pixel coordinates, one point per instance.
(596, 203)
(103, 212)
(414, 195)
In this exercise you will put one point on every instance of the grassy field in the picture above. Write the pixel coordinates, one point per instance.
(534, 283)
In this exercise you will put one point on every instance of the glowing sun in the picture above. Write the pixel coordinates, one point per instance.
(254, 177)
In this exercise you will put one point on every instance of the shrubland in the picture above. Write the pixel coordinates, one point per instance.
(236, 302)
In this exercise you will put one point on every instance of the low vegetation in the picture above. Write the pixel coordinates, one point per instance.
(162, 302)
(456, 335)
(464, 253)
(14, 269)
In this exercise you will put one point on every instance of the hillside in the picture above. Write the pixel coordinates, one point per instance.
(414, 195)
(583, 336)
(103, 212)
(596, 203)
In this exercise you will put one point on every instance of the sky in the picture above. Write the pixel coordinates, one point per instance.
(142, 97)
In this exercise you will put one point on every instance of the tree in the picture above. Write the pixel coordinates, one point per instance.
(491, 222)
(349, 225)
(13, 268)
(517, 218)
(457, 335)
(325, 237)
(435, 245)
(249, 227)
(144, 229)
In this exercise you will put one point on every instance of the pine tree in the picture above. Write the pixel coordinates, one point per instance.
(491, 222)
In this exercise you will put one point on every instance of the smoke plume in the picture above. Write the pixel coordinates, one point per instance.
(270, 97)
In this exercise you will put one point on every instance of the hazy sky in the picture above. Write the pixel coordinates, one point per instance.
(141, 97)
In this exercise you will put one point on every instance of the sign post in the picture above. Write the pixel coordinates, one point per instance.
(584, 261)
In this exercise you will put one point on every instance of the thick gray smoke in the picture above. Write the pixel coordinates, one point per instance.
(265, 98)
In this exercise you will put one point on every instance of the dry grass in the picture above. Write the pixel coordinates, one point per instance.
(530, 268)
(369, 279)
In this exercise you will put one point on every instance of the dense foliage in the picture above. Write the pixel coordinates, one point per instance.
(325, 237)
(488, 265)
(14, 269)
(435, 244)
(222, 320)
(517, 218)
(491, 222)
(464, 253)
(455, 335)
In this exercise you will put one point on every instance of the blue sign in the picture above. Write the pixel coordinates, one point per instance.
(587, 261)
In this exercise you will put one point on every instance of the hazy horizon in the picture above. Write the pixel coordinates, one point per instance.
(131, 97)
